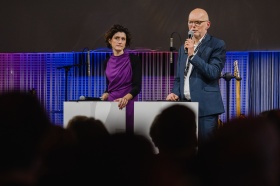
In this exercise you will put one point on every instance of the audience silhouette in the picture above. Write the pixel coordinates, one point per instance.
(174, 132)
(242, 152)
(24, 126)
(35, 152)
(88, 130)
(272, 116)
(127, 160)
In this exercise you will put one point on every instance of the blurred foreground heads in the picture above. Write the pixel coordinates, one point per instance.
(242, 152)
(174, 133)
(23, 127)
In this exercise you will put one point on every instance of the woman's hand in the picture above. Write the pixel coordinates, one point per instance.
(122, 102)
(104, 96)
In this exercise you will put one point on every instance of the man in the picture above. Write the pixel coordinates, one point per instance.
(200, 63)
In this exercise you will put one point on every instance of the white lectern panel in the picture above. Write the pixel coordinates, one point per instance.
(107, 112)
(145, 112)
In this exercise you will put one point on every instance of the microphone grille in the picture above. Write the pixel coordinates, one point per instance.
(190, 34)
(82, 98)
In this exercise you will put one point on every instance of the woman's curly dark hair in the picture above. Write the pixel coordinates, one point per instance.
(114, 29)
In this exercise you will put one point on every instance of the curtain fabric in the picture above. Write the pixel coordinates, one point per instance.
(264, 81)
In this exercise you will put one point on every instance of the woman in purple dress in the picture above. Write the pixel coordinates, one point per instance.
(123, 72)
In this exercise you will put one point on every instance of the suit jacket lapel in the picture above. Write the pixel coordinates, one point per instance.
(183, 63)
(202, 46)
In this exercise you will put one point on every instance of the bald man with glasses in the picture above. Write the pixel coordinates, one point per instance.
(200, 62)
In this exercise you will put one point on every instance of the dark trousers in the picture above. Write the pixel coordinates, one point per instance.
(206, 127)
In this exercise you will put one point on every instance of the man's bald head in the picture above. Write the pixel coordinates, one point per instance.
(199, 12)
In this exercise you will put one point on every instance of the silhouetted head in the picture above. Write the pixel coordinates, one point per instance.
(89, 131)
(242, 152)
(23, 122)
(174, 129)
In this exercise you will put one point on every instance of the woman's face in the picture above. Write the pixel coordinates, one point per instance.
(118, 41)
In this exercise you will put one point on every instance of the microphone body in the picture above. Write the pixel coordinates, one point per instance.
(190, 35)
(83, 98)
(171, 49)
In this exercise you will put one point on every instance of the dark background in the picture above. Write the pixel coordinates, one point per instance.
(72, 25)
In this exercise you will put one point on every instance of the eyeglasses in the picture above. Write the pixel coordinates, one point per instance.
(196, 23)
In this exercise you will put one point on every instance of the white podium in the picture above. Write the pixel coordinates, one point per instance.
(145, 112)
(115, 119)
(105, 111)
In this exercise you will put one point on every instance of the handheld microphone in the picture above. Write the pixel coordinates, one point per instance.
(171, 49)
(83, 98)
(190, 35)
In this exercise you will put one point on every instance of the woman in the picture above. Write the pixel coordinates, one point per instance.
(123, 72)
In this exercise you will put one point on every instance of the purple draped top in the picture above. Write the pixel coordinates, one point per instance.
(119, 74)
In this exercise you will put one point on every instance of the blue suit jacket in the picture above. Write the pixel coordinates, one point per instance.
(204, 79)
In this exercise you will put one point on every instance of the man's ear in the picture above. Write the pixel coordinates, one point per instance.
(208, 24)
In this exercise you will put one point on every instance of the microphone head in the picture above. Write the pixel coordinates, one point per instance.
(82, 98)
(190, 34)
(171, 44)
